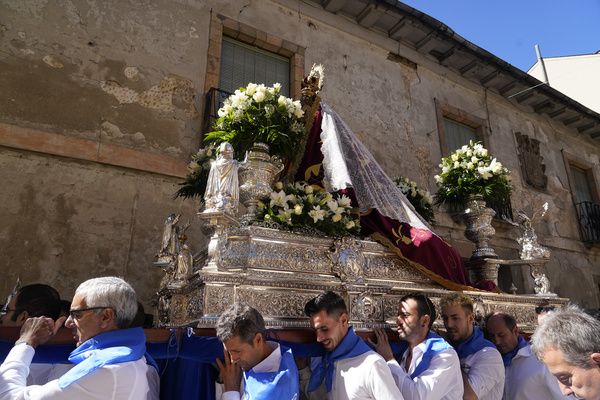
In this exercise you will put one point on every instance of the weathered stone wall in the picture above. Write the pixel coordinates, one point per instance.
(126, 79)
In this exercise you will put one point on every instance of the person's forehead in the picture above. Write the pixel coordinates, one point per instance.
(235, 343)
(454, 309)
(78, 301)
(322, 319)
(409, 305)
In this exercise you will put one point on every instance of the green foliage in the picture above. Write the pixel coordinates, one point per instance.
(195, 181)
(259, 114)
(300, 205)
(419, 198)
(472, 170)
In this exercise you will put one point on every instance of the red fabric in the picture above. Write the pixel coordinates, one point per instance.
(418, 245)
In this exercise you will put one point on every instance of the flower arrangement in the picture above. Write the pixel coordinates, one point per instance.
(259, 114)
(195, 181)
(471, 170)
(420, 199)
(301, 205)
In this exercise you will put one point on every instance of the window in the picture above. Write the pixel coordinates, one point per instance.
(458, 134)
(457, 127)
(242, 63)
(585, 196)
(238, 54)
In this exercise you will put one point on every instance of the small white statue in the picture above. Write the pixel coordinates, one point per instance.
(169, 245)
(185, 261)
(223, 188)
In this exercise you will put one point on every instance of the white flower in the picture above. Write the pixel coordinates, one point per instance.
(454, 157)
(279, 185)
(269, 109)
(469, 165)
(279, 199)
(336, 217)
(456, 164)
(344, 201)
(484, 172)
(474, 160)
(298, 209)
(277, 87)
(259, 97)
(438, 178)
(282, 101)
(445, 169)
(317, 214)
(308, 189)
(350, 225)
(286, 213)
(251, 89)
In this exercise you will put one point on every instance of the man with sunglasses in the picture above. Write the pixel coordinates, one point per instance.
(110, 360)
(429, 367)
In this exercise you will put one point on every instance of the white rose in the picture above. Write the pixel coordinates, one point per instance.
(454, 157)
(297, 209)
(277, 87)
(336, 218)
(350, 225)
(279, 185)
(251, 89)
(308, 189)
(259, 97)
(281, 101)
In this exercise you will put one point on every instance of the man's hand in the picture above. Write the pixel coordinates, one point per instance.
(382, 346)
(230, 373)
(38, 330)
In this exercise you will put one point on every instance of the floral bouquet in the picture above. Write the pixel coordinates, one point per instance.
(420, 199)
(259, 114)
(471, 170)
(197, 176)
(300, 205)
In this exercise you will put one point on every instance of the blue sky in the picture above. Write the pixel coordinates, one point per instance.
(509, 29)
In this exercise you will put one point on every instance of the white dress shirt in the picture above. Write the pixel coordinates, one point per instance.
(485, 372)
(528, 379)
(269, 364)
(441, 381)
(364, 377)
(124, 381)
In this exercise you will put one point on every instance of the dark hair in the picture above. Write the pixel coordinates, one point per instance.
(508, 319)
(424, 305)
(38, 300)
(242, 321)
(544, 306)
(331, 302)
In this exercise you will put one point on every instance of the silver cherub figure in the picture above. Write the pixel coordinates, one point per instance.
(530, 248)
(223, 187)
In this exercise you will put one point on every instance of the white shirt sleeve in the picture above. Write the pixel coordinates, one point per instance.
(231, 395)
(381, 382)
(433, 383)
(486, 371)
(104, 383)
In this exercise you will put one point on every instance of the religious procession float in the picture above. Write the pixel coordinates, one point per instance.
(295, 204)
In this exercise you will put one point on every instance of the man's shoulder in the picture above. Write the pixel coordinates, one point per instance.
(369, 358)
(484, 354)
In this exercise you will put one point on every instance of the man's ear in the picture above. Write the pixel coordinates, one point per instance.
(344, 318)
(108, 317)
(258, 339)
(425, 320)
(471, 318)
(595, 359)
(21, 318)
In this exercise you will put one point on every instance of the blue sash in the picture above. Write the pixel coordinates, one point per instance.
(280, 385)
(434, 344)
(350, 346)
(508, 357)
(107, 348)
(473, 344)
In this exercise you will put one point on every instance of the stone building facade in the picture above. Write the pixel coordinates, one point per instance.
(104, 102)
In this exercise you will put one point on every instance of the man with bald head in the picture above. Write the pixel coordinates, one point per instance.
(526, 378)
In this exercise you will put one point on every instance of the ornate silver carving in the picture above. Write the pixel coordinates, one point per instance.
(478, 219)
(366, 307)
(348, 260)
(223, 187)
(257, 174)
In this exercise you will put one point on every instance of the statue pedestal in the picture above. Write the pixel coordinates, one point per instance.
(277, 272)
(537, 270)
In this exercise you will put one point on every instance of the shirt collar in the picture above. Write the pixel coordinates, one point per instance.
(272, 362)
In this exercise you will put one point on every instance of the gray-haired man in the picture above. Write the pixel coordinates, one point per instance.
(568, 342)
(109, 360)
(268, 369)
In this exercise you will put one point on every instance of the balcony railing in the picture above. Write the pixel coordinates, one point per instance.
(214, 100)
(589, 221)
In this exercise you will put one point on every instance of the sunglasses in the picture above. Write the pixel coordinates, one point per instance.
(78, 313)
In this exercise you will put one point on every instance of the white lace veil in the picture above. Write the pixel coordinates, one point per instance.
(348, 164)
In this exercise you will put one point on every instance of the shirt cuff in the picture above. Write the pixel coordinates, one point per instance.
(21, 352)
(231, 395)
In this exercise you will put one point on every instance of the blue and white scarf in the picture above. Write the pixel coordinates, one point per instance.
(434, 344)
(473, 344)
(107, 348)
(508, 357)
(281, 385)
(350, 346)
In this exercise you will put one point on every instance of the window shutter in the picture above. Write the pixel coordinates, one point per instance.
(583, 191)
(458, 134)
(242, 64)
